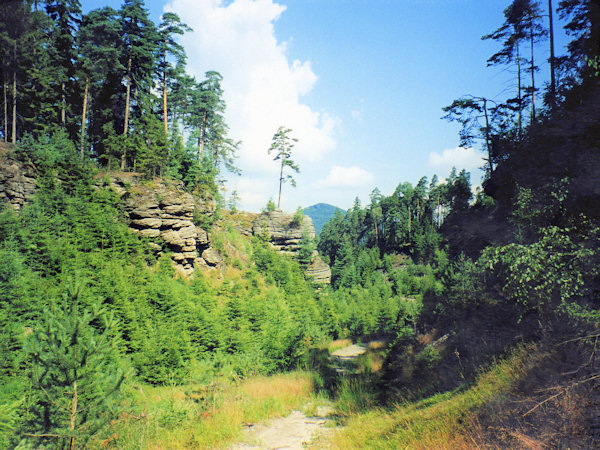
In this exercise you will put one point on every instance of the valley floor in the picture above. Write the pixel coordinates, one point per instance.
(296, 431)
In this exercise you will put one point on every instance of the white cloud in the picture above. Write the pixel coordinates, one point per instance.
(262, 88)
(253, 192)
(459, 157)
(346, 177)
(356, 114)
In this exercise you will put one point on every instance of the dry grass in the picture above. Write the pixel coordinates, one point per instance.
(377, 345)
(294, 386)
(440, 421)
(375, 362)
(427, 338)
(212, 416)
(6, 148)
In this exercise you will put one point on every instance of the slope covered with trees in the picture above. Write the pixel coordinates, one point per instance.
(451, 280)
(116, 83)
(517, 263)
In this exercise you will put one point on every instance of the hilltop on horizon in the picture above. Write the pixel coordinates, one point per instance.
(320, 214)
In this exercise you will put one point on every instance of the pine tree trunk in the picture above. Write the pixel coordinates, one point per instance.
(280, 183)
(552, 61)
(182, 133)
(14, 111)
(85, 96)
(519, 89)
(532, 71)
(165, 95)
(63, 105)
(126, 124)
(202, 136)
(488, 144)
(5, 108)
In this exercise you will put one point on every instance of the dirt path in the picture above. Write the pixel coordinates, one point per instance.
(352, 351)
(295, 431)
(298, 431)
(343, 360)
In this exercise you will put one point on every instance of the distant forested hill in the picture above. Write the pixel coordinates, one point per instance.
(320, 214)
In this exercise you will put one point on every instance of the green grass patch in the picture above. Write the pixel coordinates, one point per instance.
(206, 416)
(434, 422)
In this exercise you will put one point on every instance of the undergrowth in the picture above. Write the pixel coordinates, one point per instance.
(208, 415)
(439, 421)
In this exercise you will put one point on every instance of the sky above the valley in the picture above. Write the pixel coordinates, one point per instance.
(361, 83)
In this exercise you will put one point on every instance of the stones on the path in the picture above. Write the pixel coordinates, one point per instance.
(296, 431)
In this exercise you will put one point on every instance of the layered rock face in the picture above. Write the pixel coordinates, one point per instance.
(285, 234)
(17, 180)
(319, 270)
(164, 212)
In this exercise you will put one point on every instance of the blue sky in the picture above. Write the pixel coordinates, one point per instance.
(361, 83)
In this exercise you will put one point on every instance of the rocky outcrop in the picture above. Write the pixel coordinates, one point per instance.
(282, 230)
(164, 212)
(285, 231)
(17, 180)
(318, 270)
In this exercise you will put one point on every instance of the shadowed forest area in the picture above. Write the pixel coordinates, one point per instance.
(479, 312)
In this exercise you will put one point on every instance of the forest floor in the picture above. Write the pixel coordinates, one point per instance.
(299, 429)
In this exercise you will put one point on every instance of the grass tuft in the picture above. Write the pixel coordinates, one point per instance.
(206, 416)
(439, 421)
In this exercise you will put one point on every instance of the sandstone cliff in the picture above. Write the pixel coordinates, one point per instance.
(319, 270)
(17, 179)
(285, 232)
(164, 212)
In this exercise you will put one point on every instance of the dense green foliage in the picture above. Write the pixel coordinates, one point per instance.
(74, 373)
(519, 261)
(95, 76)
(261, 318)
(450, 281)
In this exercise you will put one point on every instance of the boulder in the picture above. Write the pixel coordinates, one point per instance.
(147, 232)
(17, 178)
(282, 230)
(147, 222)
(212, 257)
(201, 236)
(188, 232)
(175, 223)
(318, 270)
(172, 238)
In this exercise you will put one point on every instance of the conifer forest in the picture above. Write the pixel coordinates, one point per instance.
(140, 308)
